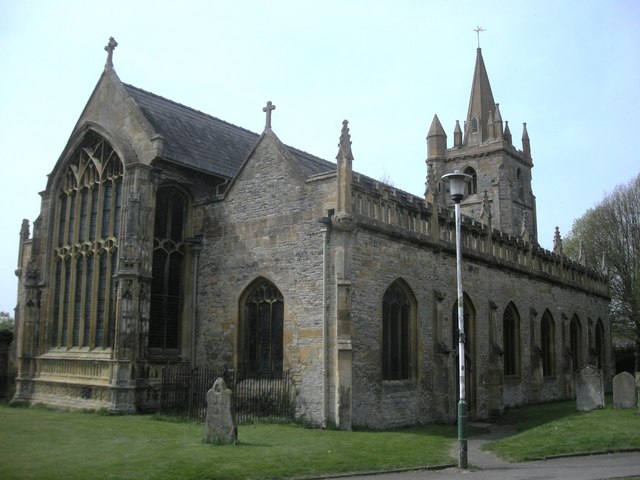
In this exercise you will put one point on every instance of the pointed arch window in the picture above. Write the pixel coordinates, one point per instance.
(261, 331)
(520, 183)
(511, 340)
(87, 214)
(398, 312)
(167, 270)
(547, 344)
(599, 345)
(474, 124)
(471, 188)
(575, 339)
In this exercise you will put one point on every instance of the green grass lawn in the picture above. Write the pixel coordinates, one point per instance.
(39, 443)
(557, 429)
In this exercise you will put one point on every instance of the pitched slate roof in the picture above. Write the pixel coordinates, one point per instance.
(197, 140)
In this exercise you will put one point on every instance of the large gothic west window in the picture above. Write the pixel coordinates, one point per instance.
(86, 225)
(397, 337)
(167, 270)
(511, 340)
(261, 342)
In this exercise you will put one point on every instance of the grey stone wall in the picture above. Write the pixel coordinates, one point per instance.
(267, 226)
(379, 259)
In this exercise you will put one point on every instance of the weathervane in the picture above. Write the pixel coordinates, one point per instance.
(479, 29)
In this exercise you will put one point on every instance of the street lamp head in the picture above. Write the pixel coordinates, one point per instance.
(456, 184)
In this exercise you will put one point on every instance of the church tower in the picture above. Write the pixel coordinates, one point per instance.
(500, 192)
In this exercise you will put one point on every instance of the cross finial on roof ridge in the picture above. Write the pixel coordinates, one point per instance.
(268, 109)
(109, 48)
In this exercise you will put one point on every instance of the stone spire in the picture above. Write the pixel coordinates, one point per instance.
(457, 135)
(557, 242)
(582, 255)
(345, 172)
(497, 123)
(344, 145)
(507, 133)
(526, 146)
(490, 125)
(480, 103)
(436, 139)
(604, 265)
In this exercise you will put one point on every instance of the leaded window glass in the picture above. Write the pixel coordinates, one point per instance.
(396, 334)
(262, 330)
(168, 265)
(85, 250)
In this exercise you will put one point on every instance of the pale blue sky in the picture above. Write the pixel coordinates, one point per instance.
(570, 69)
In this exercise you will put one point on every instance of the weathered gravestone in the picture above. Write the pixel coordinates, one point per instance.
(220, 425)
(624, 390)
(589, 389)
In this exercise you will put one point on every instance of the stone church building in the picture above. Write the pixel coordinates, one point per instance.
(168, 236)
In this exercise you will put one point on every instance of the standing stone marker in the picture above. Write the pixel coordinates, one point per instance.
(624, 391)
(220, 425)
(589, 389)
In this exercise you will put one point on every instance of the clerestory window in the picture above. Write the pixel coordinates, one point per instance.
(87, 215)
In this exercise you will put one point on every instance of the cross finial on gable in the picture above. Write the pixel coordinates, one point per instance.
(479, 29)
(109, 48)
(268, 109)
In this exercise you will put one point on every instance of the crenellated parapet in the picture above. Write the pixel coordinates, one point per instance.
(396, 213)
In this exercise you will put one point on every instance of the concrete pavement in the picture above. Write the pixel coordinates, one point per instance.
(485, 466)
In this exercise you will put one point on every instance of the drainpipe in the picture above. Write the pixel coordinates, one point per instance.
(326, 225)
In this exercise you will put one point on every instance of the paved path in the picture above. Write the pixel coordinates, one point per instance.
(488, 467)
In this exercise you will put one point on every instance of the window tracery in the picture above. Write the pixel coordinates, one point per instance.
(167, 270)
(397, 333)
(262, 331)
(87, 214)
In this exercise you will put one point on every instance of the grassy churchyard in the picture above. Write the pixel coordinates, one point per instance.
(39, 443)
